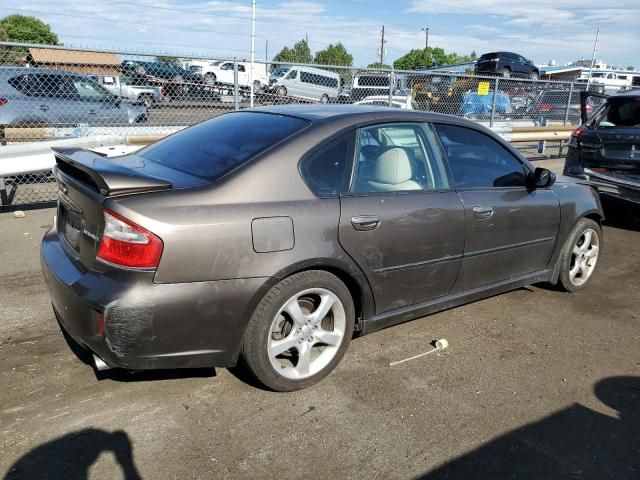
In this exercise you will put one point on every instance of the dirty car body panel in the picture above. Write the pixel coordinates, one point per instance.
(229, 229)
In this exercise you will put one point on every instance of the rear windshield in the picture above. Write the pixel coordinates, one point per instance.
(488, 56)
(620, 113)
(213, 148)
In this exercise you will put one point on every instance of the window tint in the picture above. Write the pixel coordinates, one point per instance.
(479, 161)
(327, 171)
(292, 75)
(211, 149)
(241, 68)
(397, 157)
(314, 78)
(44, 85)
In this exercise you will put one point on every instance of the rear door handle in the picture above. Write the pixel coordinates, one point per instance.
(44, 108)
(364, 223)
(482, 213)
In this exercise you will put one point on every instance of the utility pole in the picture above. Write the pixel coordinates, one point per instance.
(593, 57)
(426, 46)
(382, 48)
(266, 50)
(253, 47)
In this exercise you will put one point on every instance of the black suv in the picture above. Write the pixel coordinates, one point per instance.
(506, 64)
(605, 150)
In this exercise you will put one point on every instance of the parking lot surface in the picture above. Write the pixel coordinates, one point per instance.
(535, 384)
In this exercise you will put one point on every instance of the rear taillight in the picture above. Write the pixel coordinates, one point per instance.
(577, 133)
(3, 101)
(544, 107)
(126, 244)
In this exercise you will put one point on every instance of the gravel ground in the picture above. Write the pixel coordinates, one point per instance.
(536, 384)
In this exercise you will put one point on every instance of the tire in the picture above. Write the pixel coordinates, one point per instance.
(534, 76)
(272, 328)
(257, 86)
(147, 100)
(141, 70)
(324, 99)
(576, 251)
(210, 78)
(281, 91)
(506, 73)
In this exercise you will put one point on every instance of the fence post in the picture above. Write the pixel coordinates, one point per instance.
(236, 98)
(392, 86)
(566, 113)
(493, 103)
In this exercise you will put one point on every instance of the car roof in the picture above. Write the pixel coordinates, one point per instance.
(322, 113)
(35, 70)
(634, 92)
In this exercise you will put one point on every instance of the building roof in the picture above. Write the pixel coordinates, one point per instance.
(72, 57)
(547, 70)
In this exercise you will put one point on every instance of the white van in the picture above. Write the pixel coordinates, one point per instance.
(222, 72)
(305, 82)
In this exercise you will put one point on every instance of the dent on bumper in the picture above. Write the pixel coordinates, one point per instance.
(148, 325)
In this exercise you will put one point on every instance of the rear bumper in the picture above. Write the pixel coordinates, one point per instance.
(148, 325)
(607, 186)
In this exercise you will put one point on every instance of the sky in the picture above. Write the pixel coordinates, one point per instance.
(542, 30)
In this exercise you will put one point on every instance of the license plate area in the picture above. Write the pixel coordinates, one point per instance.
(71, 228)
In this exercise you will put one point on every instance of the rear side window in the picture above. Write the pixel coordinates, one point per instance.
(479, 161)
(328, 170)
(213, 148)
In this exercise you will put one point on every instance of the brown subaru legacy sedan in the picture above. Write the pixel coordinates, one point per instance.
(270, 237)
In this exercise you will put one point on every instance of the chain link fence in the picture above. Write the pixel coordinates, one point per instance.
(49, 93)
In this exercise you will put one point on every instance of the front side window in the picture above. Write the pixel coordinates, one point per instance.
(397, 157)
(88, 90)
(479, 161)
(327, 171)
(292, 75)
(213, 148)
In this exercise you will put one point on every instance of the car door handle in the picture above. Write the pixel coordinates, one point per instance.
(44, 108)
(364, 223)
(482, 213)
(92, 112)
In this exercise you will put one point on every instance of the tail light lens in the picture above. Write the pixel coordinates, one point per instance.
(544, 107)
(576, 134)
(126, 244)
(3, 101)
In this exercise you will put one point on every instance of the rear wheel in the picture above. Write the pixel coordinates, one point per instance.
(533, 75)
(257, 86)
(299, 332)
(580, 255)
(506, 73)
(147, 100)
(209, 78)
(324, 98)
(281, 91)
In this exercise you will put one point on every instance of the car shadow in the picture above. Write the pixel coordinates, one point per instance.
(71, 456)
(576, 442)
(618, 214)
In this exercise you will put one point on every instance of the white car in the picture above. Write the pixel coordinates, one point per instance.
(222, 72)
(404, 102)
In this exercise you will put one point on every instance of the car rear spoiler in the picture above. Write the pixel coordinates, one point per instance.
(108, 176)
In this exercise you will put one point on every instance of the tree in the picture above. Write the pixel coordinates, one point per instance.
(416, 59)
(172, 60)
(20, 28)
(300, 53)
(334, 55)
(379, 65)
(4, 36)
(473, 55)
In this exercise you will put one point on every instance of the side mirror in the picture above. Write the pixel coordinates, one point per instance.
(543, 178)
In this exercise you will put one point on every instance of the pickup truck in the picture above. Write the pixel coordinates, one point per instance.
(221, 72)
(124, 88)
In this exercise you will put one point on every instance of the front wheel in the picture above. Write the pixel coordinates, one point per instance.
(580, 255)
(533, 75)
(506, 73)
(299, 332)
(281, 91)
(324, 99)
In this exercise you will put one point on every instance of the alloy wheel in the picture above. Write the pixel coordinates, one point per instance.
(584, 257)
(306, 333)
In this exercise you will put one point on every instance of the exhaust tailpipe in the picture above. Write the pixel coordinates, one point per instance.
(99, 363)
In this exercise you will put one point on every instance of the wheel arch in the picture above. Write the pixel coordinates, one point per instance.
(347, 273)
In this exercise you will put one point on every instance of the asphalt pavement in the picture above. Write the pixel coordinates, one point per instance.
(536, 384)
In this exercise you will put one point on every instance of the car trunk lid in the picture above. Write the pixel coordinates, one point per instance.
(85, 179)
